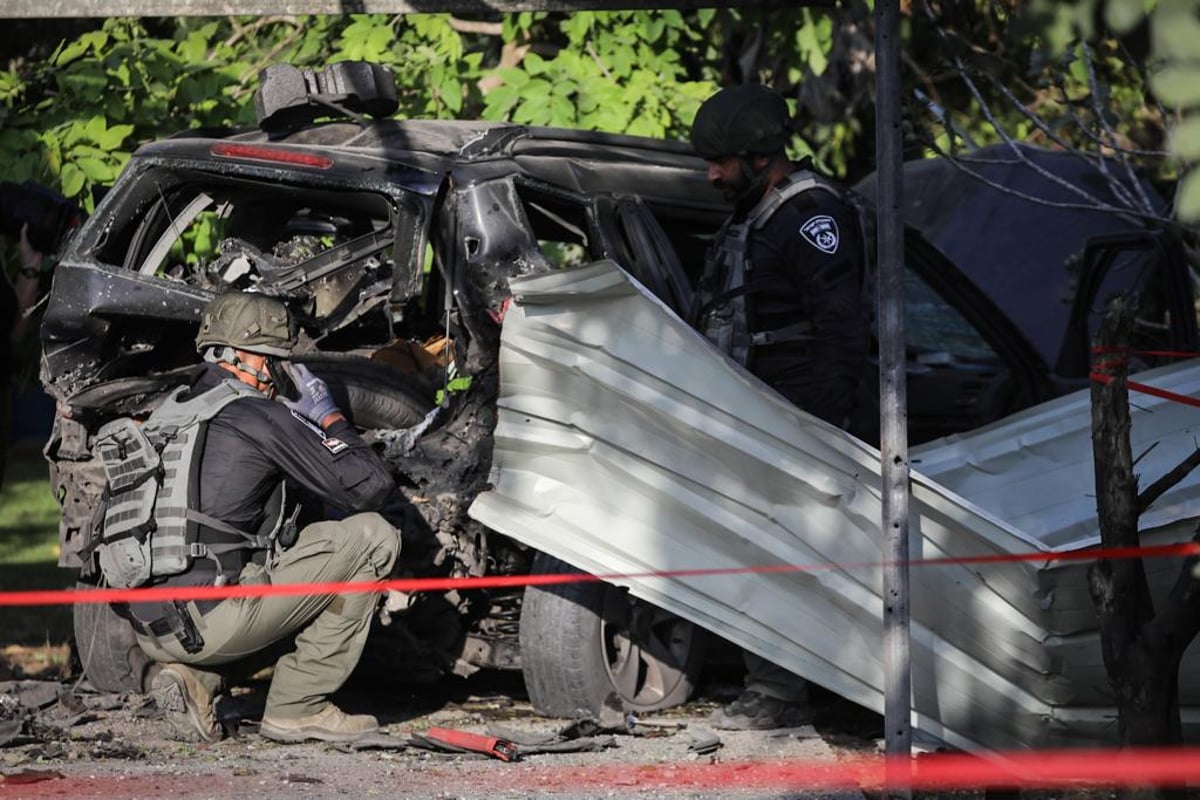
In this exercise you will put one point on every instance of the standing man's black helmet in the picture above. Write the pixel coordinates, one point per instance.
(750, 119)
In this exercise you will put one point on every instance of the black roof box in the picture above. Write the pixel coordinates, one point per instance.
(289, 97)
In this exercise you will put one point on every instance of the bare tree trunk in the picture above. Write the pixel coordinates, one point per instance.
(1142, 650)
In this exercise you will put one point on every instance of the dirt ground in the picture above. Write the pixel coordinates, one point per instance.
(89, 745)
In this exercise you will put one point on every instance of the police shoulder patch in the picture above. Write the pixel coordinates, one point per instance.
(821, 232)
(334, 445)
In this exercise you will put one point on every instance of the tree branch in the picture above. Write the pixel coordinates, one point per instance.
(1102, 119)
(1160, 486)
(477, 26)
(958, 163)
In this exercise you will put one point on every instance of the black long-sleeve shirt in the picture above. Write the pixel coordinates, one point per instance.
(251, 446)
(806, 269)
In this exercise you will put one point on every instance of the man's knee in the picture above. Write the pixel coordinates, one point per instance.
(381, 541)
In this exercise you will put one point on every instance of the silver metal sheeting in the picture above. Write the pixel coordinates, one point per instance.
(626, 444)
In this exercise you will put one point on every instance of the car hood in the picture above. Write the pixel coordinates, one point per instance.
(628, 446)
(1021, 253)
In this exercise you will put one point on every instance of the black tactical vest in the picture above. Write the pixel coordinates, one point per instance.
(728, 275)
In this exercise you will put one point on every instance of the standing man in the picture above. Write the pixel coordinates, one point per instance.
(17, 301)
(251, 444)
(782, 294)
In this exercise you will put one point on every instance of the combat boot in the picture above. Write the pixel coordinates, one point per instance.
(330, 724)
(186, 703)
(755, 711)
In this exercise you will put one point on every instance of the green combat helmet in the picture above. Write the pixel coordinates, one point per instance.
(251, 322)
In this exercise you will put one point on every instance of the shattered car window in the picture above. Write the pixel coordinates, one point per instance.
(935, 329)
(560, 224)
(217, 233)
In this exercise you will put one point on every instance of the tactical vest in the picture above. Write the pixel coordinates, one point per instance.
(723, 315)
(150, 527)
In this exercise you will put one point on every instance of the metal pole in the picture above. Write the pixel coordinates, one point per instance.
(893, 403)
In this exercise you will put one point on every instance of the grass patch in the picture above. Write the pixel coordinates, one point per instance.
(28, 510)
(29, 552)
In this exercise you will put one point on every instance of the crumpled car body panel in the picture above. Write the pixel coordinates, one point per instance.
(627, 446)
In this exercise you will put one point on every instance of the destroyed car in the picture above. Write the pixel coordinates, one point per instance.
(394, 242)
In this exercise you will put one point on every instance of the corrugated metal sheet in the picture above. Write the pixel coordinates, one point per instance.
(626, 444)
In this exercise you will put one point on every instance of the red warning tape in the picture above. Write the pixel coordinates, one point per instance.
(1101, 366)
(1080, 770)
(1146, 388)
(168, 593)
(1016, 770)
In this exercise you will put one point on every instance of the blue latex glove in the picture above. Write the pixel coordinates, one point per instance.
(315, 403)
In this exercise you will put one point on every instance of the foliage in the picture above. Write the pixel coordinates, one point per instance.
(72, 120)
(1066, 76)
(980, 67)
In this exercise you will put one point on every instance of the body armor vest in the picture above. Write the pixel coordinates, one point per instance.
(724, 316)
(150, 527)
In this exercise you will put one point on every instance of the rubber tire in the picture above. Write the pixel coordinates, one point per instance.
(563, 658)
(372, 394)
(108, 649)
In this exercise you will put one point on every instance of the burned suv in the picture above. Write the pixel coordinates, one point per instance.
(393, 243)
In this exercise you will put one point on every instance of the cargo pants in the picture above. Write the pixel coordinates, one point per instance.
(332, 629)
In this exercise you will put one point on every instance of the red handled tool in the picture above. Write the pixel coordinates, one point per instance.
(473, 742)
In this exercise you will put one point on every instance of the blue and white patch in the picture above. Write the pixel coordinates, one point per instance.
(822, 233)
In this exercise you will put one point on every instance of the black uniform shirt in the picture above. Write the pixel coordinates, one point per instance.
(807, 264)
(252, 445)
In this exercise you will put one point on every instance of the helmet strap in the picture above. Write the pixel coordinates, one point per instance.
(228, 355)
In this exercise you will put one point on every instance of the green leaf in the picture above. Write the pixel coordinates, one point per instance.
(1177, 85)
(1124, 15)
(1189, 198)
(73, 179)
(513, 76)
(1176, 30)
(1185, 138)
(534, 64)
(809, 46)
(97, 171)
(71, 52)
(653, 26)
(498, 101)
(452, 94)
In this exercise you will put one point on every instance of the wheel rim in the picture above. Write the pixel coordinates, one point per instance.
(647, 650)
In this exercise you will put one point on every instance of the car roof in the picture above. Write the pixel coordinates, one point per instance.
(582, 161)
(1020, 252)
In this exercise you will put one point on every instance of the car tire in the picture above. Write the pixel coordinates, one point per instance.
(373, 394)
(108, 649)
(577, 648)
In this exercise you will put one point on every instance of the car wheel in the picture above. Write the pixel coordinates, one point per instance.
(108, 649)
(581, 642)
(373, 395)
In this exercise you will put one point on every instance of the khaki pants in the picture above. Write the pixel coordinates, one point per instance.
(332, 628)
